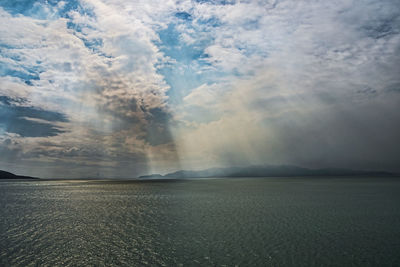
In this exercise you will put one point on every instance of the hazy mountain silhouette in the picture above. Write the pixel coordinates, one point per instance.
(9, 175)
(266, 171)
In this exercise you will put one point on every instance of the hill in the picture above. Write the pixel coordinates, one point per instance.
(9, 175)
(266, 171)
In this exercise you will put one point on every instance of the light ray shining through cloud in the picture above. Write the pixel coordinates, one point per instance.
(114, 88)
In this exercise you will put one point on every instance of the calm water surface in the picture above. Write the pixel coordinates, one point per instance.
(211, 222)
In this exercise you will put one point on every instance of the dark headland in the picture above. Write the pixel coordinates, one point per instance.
(9, 175)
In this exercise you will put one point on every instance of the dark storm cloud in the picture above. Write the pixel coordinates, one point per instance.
(22, 120)
(149, 124)
(133, 113)
(157, 129)
(362, 137)
(382, 27)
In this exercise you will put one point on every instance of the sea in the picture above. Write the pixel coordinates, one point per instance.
(315, 221)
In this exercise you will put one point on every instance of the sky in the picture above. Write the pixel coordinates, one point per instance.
(117, 89)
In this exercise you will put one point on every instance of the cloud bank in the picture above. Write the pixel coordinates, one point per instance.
(112, 88)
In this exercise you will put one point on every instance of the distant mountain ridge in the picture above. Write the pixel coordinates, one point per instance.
(265, 171)
(9, 175)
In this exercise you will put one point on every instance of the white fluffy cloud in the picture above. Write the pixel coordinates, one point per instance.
(157, 85)
(306, 78)
(98, 67)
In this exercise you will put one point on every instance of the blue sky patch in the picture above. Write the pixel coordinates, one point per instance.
(21, 119)
(190, 69)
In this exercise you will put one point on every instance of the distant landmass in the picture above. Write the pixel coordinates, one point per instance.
(266, 171)
(9, 175)
(250, 171)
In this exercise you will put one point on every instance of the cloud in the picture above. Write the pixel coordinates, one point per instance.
(94, 63)
(306, 83)
(28, 121)
(119, 88)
